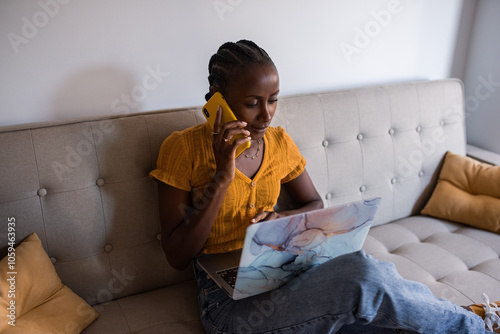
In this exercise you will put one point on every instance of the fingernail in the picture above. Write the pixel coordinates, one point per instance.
(253, 220)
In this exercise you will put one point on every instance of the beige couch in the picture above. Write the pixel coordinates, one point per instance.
(83, 187)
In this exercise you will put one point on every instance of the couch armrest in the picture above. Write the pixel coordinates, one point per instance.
(483, 155)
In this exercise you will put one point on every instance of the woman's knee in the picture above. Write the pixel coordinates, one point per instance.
(366, 265)
(362, 271)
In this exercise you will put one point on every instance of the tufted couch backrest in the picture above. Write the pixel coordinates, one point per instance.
(83, 185)
(377, 141)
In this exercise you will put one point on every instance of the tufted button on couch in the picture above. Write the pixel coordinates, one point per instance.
(83, 187)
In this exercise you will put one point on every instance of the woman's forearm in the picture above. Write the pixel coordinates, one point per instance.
(188, 238)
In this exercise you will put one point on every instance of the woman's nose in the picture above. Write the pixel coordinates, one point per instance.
(265, 113)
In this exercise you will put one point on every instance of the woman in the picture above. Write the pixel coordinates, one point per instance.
(208, 197)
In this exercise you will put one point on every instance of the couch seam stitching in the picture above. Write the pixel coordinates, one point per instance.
(79, 189)
(483, 273)
(149, 141)
(104, 218)
(152, 166)
(359, 143)
(325, 149)
(418, 264)
(422, 188)
(102, 251)
(124, 317)
(39, 187)
(480, 241)
(393, 152)
(456, 290)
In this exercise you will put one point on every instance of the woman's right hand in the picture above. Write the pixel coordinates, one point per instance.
(224, 151)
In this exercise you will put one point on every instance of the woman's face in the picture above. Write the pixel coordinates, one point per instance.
(252, 94)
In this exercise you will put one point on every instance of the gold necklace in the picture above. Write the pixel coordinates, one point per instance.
(256, 153)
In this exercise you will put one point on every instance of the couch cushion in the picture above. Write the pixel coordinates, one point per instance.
(32, 297)
(468, 192)
(173, 309)
(455, 261)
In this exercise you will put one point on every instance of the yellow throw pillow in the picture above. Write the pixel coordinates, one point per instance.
(32, 297)
(468, 192)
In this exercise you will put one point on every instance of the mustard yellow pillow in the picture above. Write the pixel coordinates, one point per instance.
(468, 192)
(32, 297)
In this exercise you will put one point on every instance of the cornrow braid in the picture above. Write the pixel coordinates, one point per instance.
(230, 56)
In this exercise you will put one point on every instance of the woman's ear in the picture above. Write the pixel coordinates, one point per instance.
(214, 89)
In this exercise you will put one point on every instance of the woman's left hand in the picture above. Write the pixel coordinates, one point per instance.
(265, 215)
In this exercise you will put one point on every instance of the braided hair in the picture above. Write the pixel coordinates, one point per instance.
(230, 56)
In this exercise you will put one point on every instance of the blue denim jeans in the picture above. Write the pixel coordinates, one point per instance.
(353, 293)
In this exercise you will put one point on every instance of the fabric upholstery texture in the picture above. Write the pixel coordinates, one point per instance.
(468, 192)
(455, 261)
(83, 187)
(33, 298)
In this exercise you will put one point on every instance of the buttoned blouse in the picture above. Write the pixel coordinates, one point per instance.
(186, 161)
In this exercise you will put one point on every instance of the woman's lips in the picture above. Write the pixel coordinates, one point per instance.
(259, 129)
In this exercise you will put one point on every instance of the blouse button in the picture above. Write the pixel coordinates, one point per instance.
(252, 206)
(325, 143)
(253, 184)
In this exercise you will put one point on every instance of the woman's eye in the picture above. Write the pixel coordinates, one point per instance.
(254, 105)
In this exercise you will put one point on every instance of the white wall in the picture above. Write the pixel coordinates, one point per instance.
(482, 77)
(64, 59)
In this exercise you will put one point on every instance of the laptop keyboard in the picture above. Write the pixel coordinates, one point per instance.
(229, 275)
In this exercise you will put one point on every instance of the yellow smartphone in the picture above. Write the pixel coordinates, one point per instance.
(210, 113)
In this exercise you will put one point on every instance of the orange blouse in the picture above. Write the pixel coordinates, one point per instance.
(186, 161)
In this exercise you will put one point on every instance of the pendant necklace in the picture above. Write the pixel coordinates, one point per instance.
(256, 153)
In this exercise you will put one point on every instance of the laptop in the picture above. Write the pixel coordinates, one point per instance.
(276, 251)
